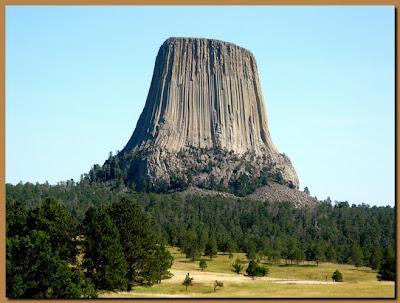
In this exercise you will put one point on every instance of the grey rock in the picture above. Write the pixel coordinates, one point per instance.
(205, 105)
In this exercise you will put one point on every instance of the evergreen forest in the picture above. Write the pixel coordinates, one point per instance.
(74, 238)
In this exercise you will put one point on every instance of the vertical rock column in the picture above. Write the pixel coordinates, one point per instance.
(206, 94)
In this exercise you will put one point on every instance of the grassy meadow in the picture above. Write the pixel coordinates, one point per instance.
(283, 281)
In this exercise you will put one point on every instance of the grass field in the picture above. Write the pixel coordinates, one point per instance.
(302, 281)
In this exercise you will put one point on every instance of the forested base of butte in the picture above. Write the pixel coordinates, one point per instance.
(72, 239)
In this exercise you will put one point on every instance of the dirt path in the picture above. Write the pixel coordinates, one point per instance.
(209, 277)
(134, 294)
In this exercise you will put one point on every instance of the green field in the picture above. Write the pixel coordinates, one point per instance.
(303, 281)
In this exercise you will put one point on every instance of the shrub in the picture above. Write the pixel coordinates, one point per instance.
(188, 281)
(203, 265)
(337, 276)
(218, 284)
(242, 186)
(254, 270)
(237, 266)
(387, 270)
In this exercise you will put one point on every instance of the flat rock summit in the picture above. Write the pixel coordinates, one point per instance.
(204, 125)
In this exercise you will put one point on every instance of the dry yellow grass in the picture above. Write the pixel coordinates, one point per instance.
(282, 282)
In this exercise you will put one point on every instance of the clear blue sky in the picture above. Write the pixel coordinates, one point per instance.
(77, 80)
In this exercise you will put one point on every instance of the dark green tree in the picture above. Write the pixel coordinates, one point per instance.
(16, 219)
(299, 255)
(161, 264)
(230, 246)
(357, 256)
(104, 259)
(141, 245)
(319, 253)
(242, 186)
(276, 253)
(251, 251)
(388, 252)
(191, 246)
(315, 252)
(330, 254)
(254, 270)
(54, 218)
(203, 238)
(375, 259)
(34, 270)
(211, 249)
(387, 271)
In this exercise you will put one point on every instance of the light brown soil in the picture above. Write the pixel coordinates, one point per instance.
(209, 277)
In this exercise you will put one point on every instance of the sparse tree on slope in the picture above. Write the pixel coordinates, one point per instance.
(188, 281)
(237, 266)
(203, 265)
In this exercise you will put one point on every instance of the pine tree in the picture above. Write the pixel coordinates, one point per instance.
(230, 246)
(103, 253)
(211, 249)
(251, 251)
(141, 245)
(161, 263)
(357, 256)
(203, 238)
(387, 270)
(191, 246)
(16, 219)
(35, 270)
(54, 218)
(375, 259)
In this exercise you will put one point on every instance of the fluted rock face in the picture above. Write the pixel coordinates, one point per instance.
(205, 96)
(204, 93)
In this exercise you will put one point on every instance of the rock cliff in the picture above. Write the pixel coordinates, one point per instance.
(204, 122)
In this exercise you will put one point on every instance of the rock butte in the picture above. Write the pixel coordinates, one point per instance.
(205, 94)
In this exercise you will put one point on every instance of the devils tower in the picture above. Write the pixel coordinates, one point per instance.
(204, 124)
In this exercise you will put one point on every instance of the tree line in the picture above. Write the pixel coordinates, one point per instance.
(52, 255)
(359, 235)
(331, 231)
